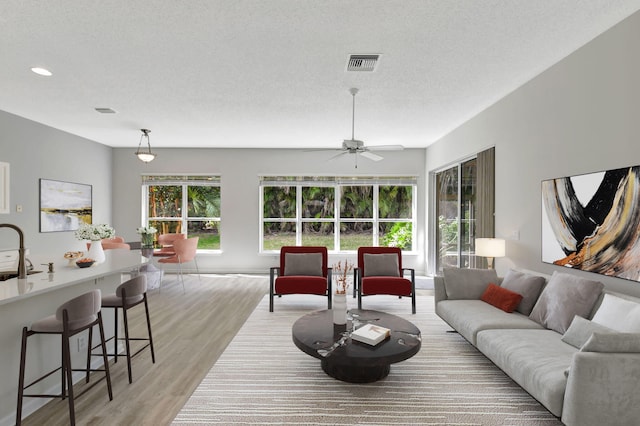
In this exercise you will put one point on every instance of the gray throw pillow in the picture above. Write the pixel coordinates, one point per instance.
(303, 264)
(528, 285)
(581, 330)
(564, 297)
(381, 265)
(613, 343)
(466, 283)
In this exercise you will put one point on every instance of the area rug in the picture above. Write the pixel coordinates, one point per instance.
(262, 378)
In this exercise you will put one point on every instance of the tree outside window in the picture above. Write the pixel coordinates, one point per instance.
(184, 204)
(340, 216)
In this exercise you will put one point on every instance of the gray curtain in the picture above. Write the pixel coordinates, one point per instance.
(485, 194)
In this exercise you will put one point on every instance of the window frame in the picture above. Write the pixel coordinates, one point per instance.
(184, 181)
(337, 182)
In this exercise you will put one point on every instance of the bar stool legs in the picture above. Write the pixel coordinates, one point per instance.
(129, 294)
(72, 318)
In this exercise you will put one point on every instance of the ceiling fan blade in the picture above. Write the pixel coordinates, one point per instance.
(338, 155)
(385, 148)
(322, 149)
(371, 155)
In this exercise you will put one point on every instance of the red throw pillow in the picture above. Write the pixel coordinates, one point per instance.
(501, 298)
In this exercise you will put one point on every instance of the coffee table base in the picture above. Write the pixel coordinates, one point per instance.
(353, 374)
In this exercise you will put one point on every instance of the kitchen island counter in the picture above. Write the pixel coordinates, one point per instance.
(39, 295)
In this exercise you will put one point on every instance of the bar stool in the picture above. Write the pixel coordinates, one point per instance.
(128, 294)
(71, 318)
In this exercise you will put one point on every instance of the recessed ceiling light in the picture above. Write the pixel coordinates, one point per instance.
(42, 71)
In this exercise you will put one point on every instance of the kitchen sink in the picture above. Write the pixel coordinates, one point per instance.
(8, 275)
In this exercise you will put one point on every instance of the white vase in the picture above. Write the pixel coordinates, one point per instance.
(96, 252)
(339, 308)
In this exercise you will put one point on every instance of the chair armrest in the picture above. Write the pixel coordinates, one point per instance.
(413, 273)
(274, 273)
(440, 293)
(601, 387)
(357, 276)
(329, 282)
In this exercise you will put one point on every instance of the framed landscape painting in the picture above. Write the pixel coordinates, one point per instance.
(591, 222)
(64, 205)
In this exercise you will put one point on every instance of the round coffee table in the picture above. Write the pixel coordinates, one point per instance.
(349, 360)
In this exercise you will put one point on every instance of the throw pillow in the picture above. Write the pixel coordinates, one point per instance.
(303, 264)
(528, 285)
(613, 343)
(618, 314)
(581, 330)
(501, 298)
(564, 297)
(383, 264)
(467, 283)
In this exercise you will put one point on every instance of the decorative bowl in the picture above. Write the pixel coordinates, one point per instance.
(85, 262)
(71, 256)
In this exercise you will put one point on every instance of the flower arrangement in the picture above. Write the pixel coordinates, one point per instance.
(146, 235)
(146, 230)
(94, 232)
(343, 273)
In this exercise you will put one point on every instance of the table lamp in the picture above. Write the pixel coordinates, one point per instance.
(490, 248)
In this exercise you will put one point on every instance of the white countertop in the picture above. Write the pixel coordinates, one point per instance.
(65, 275)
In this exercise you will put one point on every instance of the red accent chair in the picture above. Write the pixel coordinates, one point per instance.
(301, 272)
(380, 271)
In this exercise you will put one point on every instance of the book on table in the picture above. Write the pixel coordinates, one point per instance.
(370, 334)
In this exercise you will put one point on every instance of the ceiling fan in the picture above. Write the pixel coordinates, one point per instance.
(355, 146)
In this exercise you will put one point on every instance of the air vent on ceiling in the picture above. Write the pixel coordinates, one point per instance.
(362, 62)
(105, 110)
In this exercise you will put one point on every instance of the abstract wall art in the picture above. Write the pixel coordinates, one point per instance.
(591, 222)
(64, 205)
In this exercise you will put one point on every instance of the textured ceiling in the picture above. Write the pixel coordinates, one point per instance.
(259, 74)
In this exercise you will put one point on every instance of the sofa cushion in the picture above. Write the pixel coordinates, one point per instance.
(465, 283)
(618, 314)
(501, 298)
(528, 285)
(581, 330)
(303, 264)
(469, 317)
(381, 265)
(564, 297)
(613, 343)
(534, 359)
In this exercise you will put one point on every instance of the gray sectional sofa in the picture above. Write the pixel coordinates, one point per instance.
(568, 342)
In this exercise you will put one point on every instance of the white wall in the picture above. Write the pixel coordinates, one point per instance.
(37, 151)
(239, 170)
(580, 116)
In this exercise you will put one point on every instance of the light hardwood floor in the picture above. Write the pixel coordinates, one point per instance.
(190, 332)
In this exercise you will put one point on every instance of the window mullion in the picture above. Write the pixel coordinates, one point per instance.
(298, 215)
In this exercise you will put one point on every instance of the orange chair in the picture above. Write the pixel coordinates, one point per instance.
(166, 242)
(185, 251)
(302, 270)
(380, 271)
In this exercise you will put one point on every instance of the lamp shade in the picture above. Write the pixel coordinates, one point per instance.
(490, 247)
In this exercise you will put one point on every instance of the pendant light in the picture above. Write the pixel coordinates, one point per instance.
(146, 155)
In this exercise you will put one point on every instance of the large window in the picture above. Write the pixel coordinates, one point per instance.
(186, 204)
(341, 213)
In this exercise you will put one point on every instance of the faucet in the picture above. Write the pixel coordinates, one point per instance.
(22, 269)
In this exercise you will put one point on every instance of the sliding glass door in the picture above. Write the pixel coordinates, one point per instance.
(456, 212)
